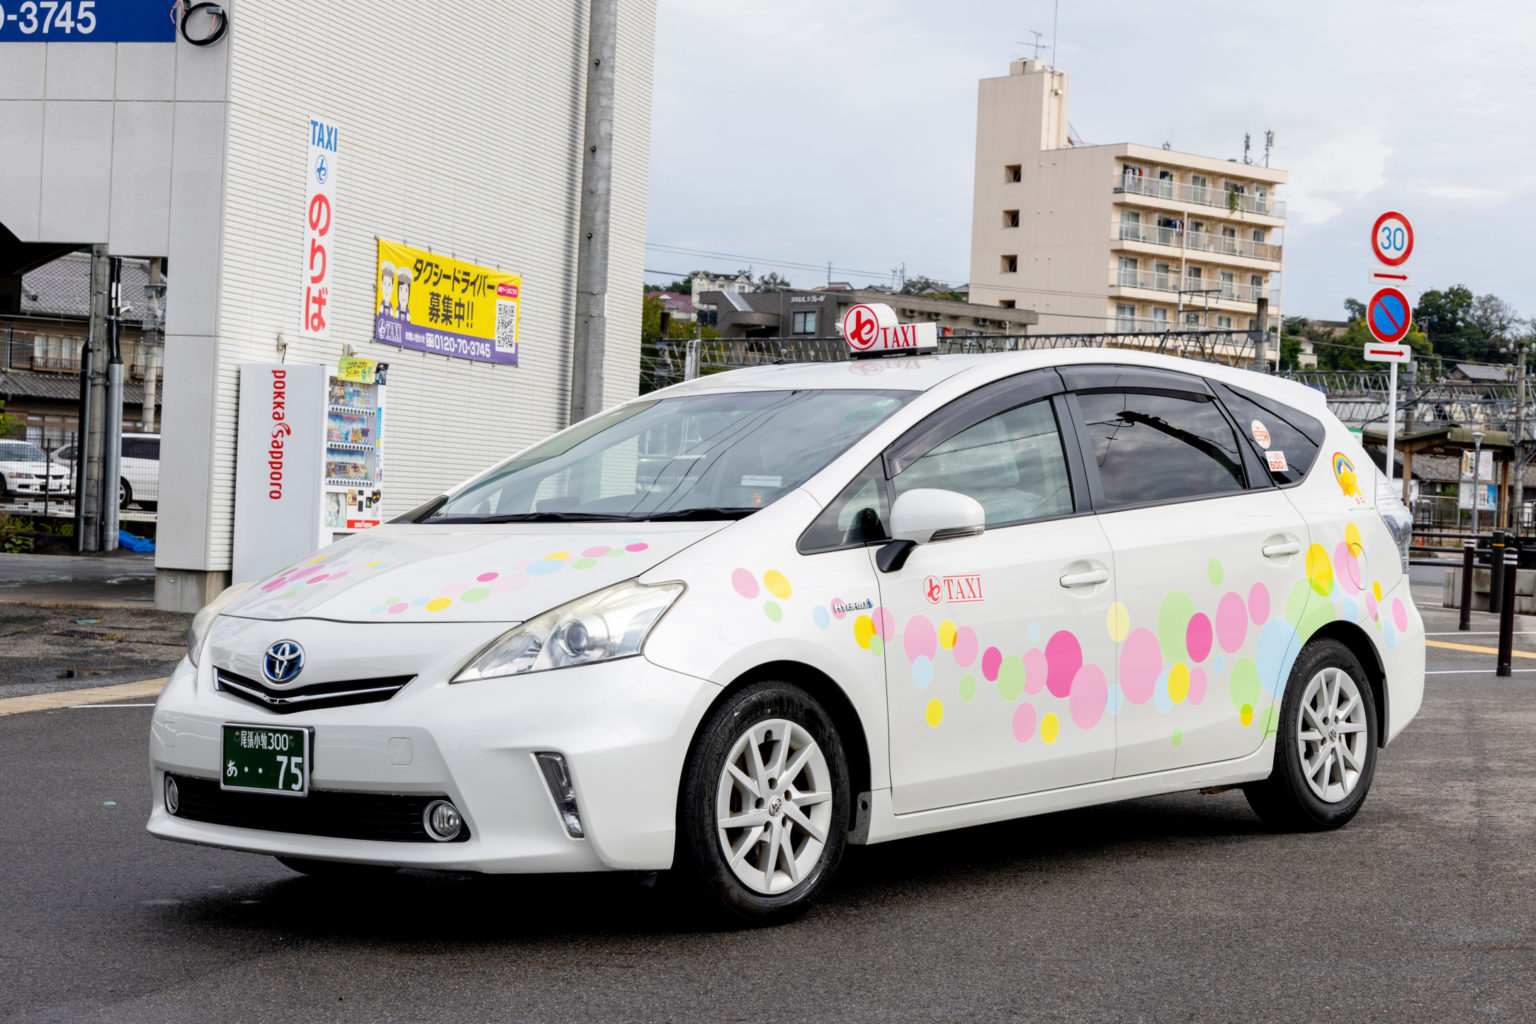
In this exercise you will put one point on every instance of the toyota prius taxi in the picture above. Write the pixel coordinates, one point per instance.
(730, 627)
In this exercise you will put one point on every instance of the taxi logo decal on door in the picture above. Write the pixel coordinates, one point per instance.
(952, 589)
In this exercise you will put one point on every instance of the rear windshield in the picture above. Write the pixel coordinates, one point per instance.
(720, 456)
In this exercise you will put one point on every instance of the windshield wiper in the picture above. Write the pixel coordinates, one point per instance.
(532, 517)
(692, 515)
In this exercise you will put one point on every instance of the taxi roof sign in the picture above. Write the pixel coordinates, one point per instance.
(871, 330)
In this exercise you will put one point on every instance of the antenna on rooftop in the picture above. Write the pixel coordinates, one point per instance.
(1055, 17)
(1247, 143)
(1269, 142)
(1036, 44)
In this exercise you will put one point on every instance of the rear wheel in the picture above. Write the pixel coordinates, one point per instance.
(1325, 751)
(337, 871)
(763, 817)
(124, 494)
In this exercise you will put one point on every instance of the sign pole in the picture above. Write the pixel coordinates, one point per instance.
(1391, 421)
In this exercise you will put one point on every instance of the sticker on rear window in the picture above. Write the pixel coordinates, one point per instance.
(1260, 433)
(1276, 461)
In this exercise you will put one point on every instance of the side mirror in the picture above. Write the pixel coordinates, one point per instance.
(926, 515)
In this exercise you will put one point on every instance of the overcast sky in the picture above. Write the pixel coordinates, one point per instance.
(800, 131)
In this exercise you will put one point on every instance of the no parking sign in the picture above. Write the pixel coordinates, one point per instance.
(1389, 316)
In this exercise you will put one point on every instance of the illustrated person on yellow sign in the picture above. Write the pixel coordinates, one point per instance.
(403, 288)
(387, 289)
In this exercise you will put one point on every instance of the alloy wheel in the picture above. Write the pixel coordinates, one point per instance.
(1332, 735)
(773, 806)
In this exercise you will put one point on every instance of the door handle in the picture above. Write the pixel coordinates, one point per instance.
(1085, 579)
(1290, 547)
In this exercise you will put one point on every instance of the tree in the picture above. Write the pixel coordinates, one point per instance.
(10, 426)
(1494, 317)
(1445, 317)
(772, 282)
(1354, 309)
(650, 318)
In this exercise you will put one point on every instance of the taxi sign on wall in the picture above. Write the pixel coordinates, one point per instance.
(871, 330)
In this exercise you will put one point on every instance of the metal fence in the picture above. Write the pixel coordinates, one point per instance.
(667, 362)
(138, 486)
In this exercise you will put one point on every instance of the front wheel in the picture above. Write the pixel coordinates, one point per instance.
(1325, 750)
(124, 494)
(763, 813)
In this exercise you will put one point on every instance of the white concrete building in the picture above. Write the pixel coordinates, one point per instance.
(460, 131)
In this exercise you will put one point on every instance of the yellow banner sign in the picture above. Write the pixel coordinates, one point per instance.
(434, 303)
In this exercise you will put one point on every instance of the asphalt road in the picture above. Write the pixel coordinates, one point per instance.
(1177, 908)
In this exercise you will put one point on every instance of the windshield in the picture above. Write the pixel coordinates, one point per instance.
(20, 451)
(720, 456)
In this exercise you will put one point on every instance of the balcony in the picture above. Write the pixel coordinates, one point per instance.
(1194, 287)
(1228, 245)
(1200, 195)
(1151, 235)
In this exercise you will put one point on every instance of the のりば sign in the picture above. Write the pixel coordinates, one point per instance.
(319, 228)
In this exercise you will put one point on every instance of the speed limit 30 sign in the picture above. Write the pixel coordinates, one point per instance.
(1392, 239)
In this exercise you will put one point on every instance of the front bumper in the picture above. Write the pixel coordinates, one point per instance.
(623, 726)
(56, 489)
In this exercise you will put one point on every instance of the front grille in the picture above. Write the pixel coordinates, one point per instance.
(381, 816)
(309, 698)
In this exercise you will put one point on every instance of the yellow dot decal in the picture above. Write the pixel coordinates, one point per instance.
(934, 714)
(947, 634)
(1352, 539)
(777, 585)
(864, 630)
(1376, 589)
(1119, 621)
(1178, 683)
(1050, 727)
(437, 604)
(1246, 715)
(1319, 570)
(558, 556)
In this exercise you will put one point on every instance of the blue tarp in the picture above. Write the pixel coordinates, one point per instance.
(132, 543)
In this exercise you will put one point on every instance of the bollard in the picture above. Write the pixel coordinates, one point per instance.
(1507, 616)
(1496, 551)
(1468, 561)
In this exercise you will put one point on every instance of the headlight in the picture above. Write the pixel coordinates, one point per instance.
(203, 620)
(611, 623)
(1396, 515)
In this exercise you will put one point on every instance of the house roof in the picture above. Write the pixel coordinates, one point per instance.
(1483, 372)
(63, 287)
(58, 387)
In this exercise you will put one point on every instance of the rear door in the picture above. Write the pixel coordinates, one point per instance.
(1206, 551)
(996, 655)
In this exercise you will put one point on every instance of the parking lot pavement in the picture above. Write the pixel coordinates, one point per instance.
(1175, 908)
(121, 577)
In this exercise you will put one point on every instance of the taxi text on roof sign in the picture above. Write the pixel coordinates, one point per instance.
(871, 330)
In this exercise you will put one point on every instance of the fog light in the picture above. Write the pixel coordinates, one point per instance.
(172, 795)
(558, 777)
(442, 821)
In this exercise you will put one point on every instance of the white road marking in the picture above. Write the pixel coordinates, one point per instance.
(76, 707)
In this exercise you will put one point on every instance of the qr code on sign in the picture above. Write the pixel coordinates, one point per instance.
(506, 325)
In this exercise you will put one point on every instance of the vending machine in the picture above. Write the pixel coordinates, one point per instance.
(354, 454)
(309, 465)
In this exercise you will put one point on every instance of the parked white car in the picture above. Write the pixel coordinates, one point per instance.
(25, 473)
(732, 626)
(138, 469)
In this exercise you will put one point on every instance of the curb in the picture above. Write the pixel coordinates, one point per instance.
(146, 605)
(90, 695)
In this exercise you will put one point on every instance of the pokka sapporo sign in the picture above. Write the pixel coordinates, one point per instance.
(871, 330)
(437, 304)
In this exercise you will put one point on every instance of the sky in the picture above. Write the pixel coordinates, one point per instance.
(790, 133)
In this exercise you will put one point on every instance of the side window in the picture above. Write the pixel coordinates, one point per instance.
(856, 516)
(1012, 463)
(1292, 436)
(1160, 447)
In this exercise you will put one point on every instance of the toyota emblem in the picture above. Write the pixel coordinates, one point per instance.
(284, 661)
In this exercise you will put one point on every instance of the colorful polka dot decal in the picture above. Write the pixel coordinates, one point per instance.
(504, 579)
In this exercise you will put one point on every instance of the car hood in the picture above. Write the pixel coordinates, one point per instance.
(463, 573)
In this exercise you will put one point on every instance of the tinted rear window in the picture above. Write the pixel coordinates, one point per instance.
(1292, 433)
(1160, 447)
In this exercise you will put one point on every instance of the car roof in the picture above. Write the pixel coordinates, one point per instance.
(923, 373)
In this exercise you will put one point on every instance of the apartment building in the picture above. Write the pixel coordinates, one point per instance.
(1118, 237)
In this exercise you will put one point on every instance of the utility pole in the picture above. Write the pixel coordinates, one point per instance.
(587, 349)
(154, 338)
(1522, 455)
(112, 415)
(88, 447)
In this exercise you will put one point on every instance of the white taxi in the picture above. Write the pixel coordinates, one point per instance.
(732, 626)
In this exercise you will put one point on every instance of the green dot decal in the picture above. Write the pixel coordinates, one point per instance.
(393, 600)
(876, 646)
(1216, 573)
(1296, 602)
(1269, 722)
(967, 687)
(1173, 624)
(614, 553)
(584, 563)
(475, 594)
(1320, 611)
(1010, 678)
(1178, 736)
(773, 610)
(1244, 689)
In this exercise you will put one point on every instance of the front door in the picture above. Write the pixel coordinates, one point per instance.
(997, 657)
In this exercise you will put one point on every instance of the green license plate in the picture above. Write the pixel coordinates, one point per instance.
(258, 757)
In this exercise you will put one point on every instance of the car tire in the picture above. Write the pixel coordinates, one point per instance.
(786, 832)
(1325, 747)
(337, 871)
(124, 494)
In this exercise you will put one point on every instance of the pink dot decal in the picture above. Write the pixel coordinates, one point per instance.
(1024, 722)
(1231, 622)
(507, 584)
(1258, 604)
(1141, 661)
(595, 552)
(1089, 695)
(1347, 569)
(486, 577)
(745, 583)
(396, 609)
(837, 610)
(316, 579)
(885, 623)
(991, 659)
(1196, 686)
(455, 589)
(1035, 670)
(637, 546)
(1399, 614)
(338, 575)
(919, 638)
(965, 646)
(1370, 604)
(1197, 637)
(1063, 657)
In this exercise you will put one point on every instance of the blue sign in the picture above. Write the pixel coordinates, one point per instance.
(87, 21)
